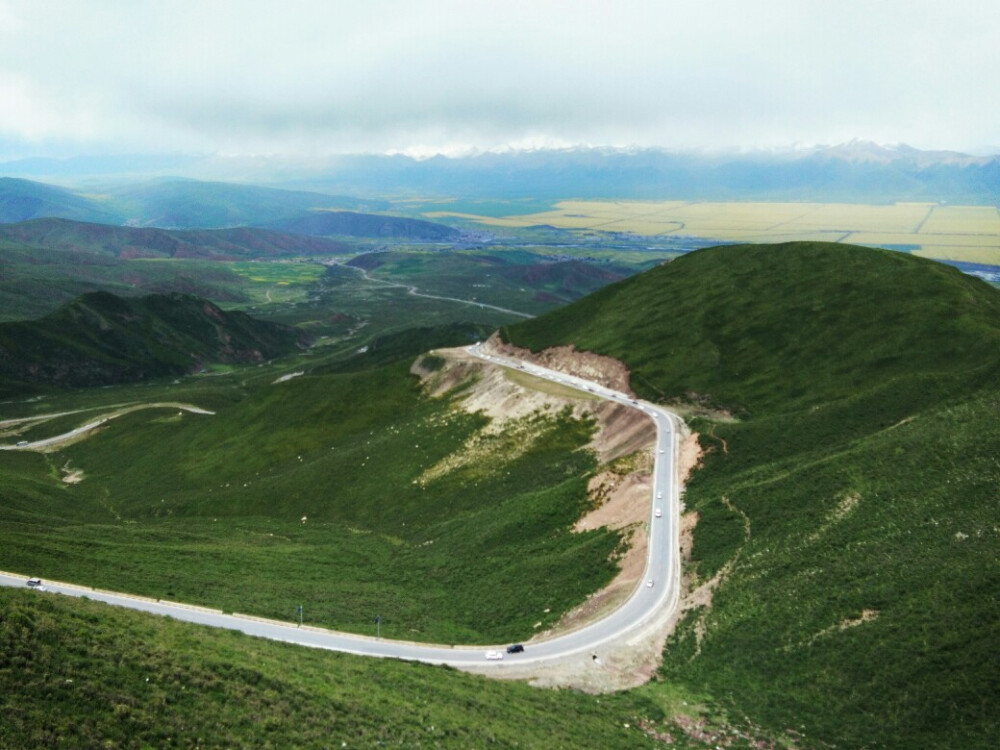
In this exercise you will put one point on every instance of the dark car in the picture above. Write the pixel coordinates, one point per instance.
(515, 649)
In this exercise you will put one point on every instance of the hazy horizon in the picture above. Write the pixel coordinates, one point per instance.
(447, 77)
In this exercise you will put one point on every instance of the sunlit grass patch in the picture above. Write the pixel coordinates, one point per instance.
(265, 272)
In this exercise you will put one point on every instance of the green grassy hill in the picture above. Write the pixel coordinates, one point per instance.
(518, 280)
(352, 224)
(851, 514)
(209, 508)
(81, 674)
(765, 328)
(100, 339)
(49, 262)
(21, 200)
(240, 243)
(192, 204)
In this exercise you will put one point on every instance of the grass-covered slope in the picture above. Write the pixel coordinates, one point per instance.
(765, 328)
(238, 243)
(100, 339)
(409, 344)
(851, 517)
(81, 674)
(521, 281)
(353, 224)
(196, 204)
(209, 509)
(21, 200)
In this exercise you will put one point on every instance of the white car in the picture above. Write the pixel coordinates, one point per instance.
(494, 655)
(661, 450)
(659, 495)
(659, 513)
(649, 583)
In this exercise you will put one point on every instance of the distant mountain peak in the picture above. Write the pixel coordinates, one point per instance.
(858, 151)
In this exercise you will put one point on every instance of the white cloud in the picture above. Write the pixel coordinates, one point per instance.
(420, 77)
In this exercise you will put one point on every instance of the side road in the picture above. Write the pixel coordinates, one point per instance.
(68, 437)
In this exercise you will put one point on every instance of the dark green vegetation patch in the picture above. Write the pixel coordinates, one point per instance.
(851, 516)
(763, 328)
(100, 339)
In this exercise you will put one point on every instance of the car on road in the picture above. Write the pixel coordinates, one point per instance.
(22, 443)
(649, 583)
(494, 655)
(661, 450)
(36, 584)
(659, 513)
(515, 648)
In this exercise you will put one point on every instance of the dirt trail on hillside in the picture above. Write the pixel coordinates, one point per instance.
(620, 492)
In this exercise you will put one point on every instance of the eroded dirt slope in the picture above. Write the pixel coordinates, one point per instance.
(620, 490)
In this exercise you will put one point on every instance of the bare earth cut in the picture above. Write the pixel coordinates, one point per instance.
(619, 492)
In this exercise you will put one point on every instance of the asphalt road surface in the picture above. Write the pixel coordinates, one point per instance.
(657, 592)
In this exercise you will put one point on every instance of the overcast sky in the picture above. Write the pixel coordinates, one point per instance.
(318, 77)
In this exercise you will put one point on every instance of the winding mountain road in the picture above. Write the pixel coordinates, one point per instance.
(68, 437)
(635, 619)
(410, 289)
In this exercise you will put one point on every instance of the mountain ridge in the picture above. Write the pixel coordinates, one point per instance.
(842, 564)
(103, 339)
(854, 172)
(149, 242)
(738, 329)
(353, 224)
(22, 199)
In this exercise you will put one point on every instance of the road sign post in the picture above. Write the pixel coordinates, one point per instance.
(378, 626)
(300, 615)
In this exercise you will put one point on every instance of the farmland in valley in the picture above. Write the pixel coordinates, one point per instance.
(960, 233)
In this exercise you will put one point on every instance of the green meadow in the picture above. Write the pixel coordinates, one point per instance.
(311, 492)
(82, 674)
(848, 514)
(845, 399)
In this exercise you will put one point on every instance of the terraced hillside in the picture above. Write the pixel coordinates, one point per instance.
(847, 520)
